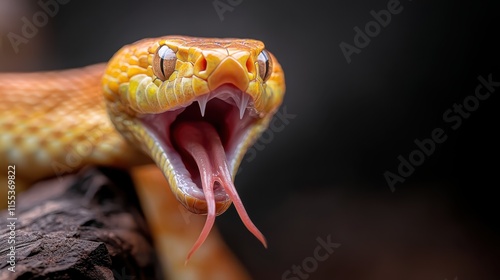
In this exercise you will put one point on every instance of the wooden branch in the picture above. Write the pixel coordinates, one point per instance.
(85, 227)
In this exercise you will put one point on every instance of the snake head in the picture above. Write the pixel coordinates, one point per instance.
(195, 105)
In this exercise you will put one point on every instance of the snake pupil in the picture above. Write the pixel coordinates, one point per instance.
(162, 60)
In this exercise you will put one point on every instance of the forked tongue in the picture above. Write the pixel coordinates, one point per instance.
(202, 142)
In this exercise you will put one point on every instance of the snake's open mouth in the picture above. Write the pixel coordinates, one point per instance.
(226, 114)
(202, 141)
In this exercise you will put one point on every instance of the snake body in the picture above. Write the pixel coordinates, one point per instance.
(191, 105)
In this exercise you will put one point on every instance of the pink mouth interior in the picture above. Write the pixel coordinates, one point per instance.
(201, 141)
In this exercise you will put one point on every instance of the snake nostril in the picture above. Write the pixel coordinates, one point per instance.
(200, 64)
(250, 65)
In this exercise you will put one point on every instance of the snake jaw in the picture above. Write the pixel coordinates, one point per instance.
(221, 108)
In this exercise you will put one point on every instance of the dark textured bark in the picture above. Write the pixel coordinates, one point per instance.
(84, 227)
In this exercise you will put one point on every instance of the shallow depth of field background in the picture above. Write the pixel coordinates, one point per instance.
(322, 175)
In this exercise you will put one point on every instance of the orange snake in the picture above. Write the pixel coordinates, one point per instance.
(139, 107)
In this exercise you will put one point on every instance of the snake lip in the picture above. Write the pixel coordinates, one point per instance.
(229, 110)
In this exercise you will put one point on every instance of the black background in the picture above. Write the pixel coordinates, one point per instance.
(323, 174)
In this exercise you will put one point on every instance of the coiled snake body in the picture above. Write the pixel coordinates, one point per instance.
(191, 105)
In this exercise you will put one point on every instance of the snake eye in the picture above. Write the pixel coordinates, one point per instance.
(265, 65)
(164, 62)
